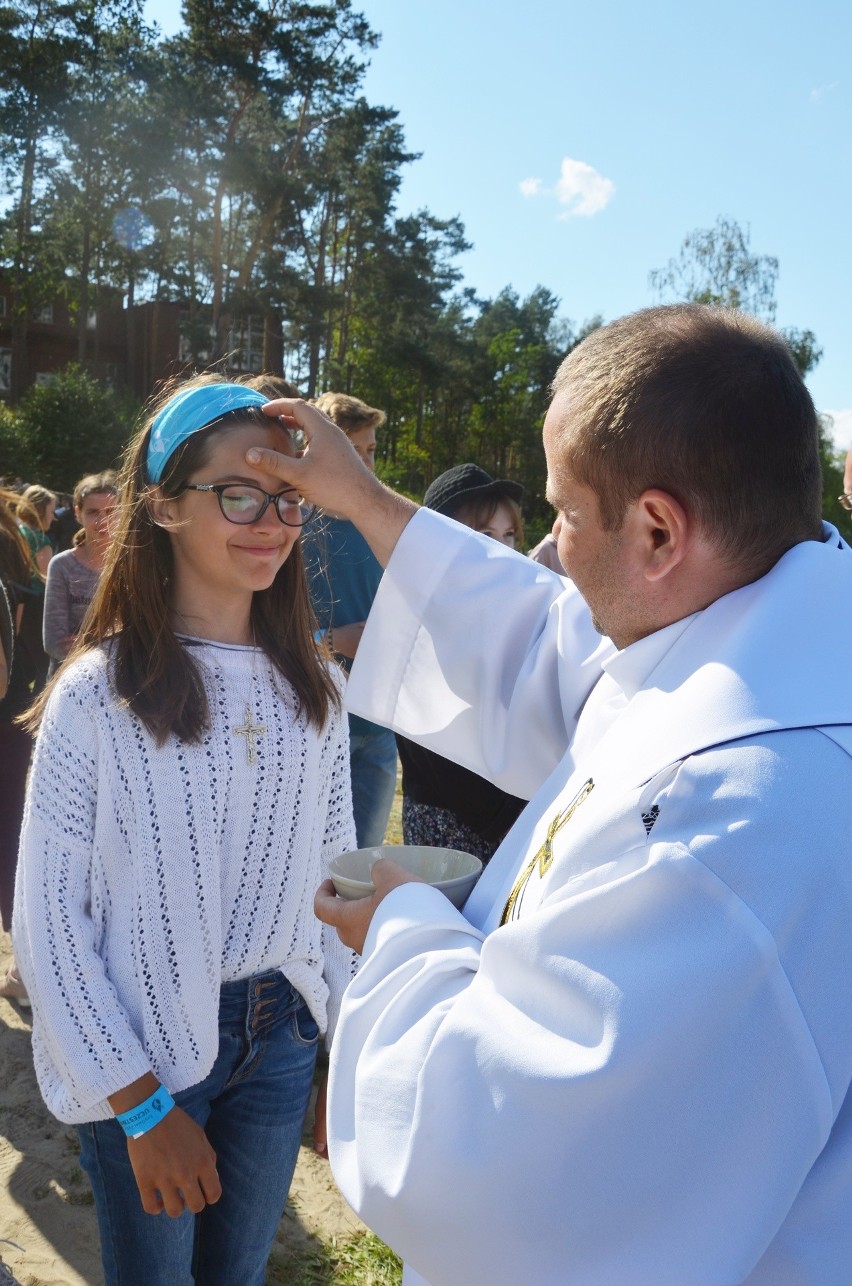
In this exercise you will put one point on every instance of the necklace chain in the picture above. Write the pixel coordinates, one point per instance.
(248, 728)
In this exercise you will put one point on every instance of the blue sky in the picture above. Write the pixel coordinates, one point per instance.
(580, 143)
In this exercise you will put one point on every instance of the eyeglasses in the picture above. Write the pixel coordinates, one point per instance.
(243, 504)
(846, 499)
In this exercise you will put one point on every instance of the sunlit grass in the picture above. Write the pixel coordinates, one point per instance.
(363, 1261)
(393, 834)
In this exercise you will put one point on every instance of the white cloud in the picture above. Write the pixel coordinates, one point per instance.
(582, 189)
(841, 428)
(822, 90)
(579, 188)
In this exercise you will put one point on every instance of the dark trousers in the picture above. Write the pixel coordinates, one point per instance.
(15, 750)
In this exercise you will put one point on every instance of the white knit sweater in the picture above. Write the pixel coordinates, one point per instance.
(149, 875)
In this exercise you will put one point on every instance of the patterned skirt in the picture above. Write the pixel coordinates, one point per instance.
(439, 828)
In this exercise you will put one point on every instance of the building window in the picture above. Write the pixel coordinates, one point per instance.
(5, 370)
(245, 345)
(43, 378)
(45, 315)
(91, 319)
(2, 305)
(205, 341)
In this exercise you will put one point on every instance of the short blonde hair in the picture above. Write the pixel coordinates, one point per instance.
(272, 386)
(349, 413)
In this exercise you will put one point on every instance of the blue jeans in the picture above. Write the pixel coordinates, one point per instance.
(252, 1106)
(372, 759)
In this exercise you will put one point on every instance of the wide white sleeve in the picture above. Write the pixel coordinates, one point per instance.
(621, 1087)
(477, 653)
(84, 1046)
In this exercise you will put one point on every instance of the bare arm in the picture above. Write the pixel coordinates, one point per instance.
(173, 1163)
(43, 557)
(330, 475)
(344, 639)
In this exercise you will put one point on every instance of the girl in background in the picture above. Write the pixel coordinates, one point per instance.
(443, 804)
(35, 510)
(72, 576)
(190, 785)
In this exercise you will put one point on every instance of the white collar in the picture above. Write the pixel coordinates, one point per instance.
(632, 667)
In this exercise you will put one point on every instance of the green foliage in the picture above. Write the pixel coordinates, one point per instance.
(363, 1261)
(716, 266)
(804, 347)
(10, 447)
(236, 168)
(832, 477)
(68, 428)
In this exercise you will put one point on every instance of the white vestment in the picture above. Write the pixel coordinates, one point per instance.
(643, 1076)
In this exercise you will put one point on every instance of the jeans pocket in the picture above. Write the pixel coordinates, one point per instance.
(305, 1029)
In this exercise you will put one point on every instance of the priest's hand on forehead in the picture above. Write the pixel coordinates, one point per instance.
(328, 473)
(331, 475)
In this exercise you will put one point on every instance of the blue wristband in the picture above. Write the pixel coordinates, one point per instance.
(142, 1118)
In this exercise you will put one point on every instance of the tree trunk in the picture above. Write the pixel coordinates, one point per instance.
(273, 343)
(20, 274)
(83, 294)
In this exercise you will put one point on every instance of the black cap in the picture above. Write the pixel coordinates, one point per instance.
(465, 482)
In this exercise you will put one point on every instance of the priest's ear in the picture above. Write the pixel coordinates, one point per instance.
(664, 529)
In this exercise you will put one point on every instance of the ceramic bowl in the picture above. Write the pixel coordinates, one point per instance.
(447, 869)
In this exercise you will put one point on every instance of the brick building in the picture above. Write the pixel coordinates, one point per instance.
(125, 348)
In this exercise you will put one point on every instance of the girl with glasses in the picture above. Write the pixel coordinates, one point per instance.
(190, 784)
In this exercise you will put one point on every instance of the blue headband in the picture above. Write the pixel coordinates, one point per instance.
(189, 411)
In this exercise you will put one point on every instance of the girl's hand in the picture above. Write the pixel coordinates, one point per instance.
(175, 1166)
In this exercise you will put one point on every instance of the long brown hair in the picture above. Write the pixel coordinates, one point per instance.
(9, 524)
(33, 505)
(479, 510)
(130, 613)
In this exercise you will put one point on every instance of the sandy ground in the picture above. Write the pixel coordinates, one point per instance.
(45, 1202)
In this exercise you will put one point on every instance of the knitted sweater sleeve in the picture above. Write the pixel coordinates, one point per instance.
(83, 1044)
(341, 964)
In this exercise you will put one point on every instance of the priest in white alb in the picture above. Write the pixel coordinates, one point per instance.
(627, 1061)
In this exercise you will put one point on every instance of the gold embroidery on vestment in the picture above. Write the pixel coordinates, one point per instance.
(544, 855)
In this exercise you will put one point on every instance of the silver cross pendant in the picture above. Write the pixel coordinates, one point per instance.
(251, 731)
